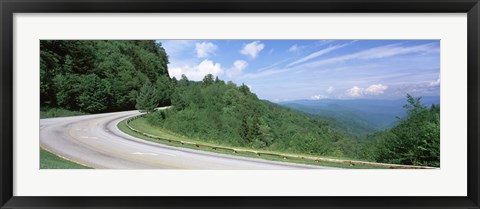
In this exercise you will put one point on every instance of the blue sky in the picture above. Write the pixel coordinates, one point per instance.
(284, 70)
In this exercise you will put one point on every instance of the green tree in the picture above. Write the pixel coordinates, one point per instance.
(119, 68)
(244, 130)
(208, 79)
(225, 114)
(244, 89)
(415, 140)
(147, 99)
(68, 65)
(67, 88)
(94, 94)
(164, 90)
(183, 81)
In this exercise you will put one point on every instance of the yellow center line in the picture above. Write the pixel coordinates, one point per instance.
(110, 151)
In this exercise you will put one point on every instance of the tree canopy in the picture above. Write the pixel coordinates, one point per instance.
(100, 76)
(227, 114)
(147, 99)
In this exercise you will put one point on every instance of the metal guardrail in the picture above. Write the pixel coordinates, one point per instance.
(284, 156)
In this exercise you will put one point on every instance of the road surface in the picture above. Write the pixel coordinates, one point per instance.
(95, 141)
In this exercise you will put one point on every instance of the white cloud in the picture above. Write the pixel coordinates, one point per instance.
(265, 73)
(204, 49)
(317, 54)
(355, 91)
(381, 51)
(252, 49)
(237, 69)
(420, 89)
(376, 89)
(318, 97)
(197, 72)
(376, 53)
(330, 90)
(394, 49)
(435, 83)
(240, 64)
(295, 48)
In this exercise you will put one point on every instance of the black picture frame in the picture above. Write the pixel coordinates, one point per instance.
(10, 7)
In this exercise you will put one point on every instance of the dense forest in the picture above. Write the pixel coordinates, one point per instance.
(106, 76)
(98, 76)
(227, 114)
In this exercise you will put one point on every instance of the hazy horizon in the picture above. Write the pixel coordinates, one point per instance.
(353, 99)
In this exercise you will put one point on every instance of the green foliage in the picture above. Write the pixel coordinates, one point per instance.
(101, 76)
(94, 94)
(51, 161)
(164, 89)
(414, 141)
(227, 114)
(58, 112)
(208, 79)
(147, 99)
(231, 115)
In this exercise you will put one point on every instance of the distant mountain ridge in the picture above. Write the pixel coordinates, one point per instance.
(360, 116)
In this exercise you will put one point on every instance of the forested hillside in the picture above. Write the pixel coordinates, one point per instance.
(98, 76)
(227, 114)
(108, 76)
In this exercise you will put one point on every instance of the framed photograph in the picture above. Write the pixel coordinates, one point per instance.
(265, 104)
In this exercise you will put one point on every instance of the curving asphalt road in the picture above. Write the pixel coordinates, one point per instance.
(95, 141)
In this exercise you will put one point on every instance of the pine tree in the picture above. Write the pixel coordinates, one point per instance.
(244, 130)
(208, 79)
(244, 89)
(164, 90)
(147, 99)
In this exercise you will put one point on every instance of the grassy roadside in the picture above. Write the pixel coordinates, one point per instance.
(142, 125)
(58, 112)
(49, 160)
